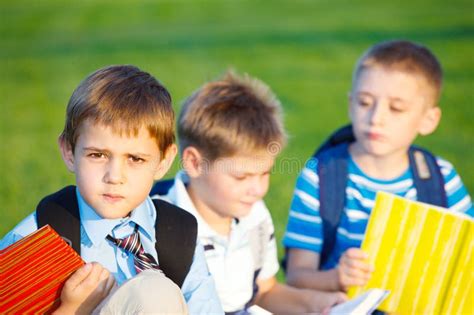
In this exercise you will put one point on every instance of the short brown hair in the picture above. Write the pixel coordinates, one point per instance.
(124, 98)
(231, 115)
(406, 56)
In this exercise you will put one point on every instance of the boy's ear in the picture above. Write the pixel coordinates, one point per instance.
(66, 153)
(192, 161)
(430, 121)
(349, 105)
(166, 161)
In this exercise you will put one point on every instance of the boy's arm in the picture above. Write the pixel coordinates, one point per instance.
(302, 272)
(199, 289)
(280, 298)
(352, 270)
(304, 235)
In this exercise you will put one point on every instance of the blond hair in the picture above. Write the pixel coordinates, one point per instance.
(405, 56)
(231, 115)
(124, 98)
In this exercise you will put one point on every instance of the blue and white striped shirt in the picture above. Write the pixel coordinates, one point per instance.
(305, 231)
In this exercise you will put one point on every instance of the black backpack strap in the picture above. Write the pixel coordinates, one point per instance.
(162, 187)
(61, 211)
(427, 177)
(333, 175)
(176, 233)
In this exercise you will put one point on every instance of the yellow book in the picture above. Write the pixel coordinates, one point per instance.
(422, 254)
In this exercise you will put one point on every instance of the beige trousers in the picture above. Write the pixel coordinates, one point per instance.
(149, 292)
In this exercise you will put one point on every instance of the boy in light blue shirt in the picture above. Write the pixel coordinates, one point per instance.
(119, 138)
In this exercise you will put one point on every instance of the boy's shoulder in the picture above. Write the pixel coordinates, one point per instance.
(31, 222)
(446, 166)
(25, 227)
(257, 216)
(61, 211)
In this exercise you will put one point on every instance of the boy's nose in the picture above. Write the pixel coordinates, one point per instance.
(114, 173)
(259, 186)
(377, 115)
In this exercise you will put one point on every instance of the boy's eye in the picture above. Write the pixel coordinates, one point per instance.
(96, 155)
(136, 159)
(398, 106)
(364, 102)
(239, 177)
(397, 109)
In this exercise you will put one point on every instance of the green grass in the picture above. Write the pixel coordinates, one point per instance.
(304, 50)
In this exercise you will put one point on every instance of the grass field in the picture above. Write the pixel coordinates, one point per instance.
(304, 50)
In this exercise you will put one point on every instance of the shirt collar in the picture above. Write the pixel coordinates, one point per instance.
(97, 228)
(180, 197)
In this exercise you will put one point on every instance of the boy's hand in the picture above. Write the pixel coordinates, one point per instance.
(353, 270)
(322, 301)
(85, 289)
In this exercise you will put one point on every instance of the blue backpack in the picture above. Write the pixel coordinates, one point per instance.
(333, 157)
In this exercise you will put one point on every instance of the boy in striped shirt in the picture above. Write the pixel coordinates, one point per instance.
(394, 95)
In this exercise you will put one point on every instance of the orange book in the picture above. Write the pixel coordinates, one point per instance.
(33, 271)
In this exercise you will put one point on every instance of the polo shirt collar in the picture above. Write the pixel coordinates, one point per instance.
(97, 228)
(180, 197)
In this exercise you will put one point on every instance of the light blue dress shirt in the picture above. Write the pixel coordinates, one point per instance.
(198, 287)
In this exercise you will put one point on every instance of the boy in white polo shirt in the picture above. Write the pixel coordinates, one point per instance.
(230, 131)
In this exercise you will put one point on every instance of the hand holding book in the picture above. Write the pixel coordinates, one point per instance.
(353, 269)
(35, 269)
(86, 288)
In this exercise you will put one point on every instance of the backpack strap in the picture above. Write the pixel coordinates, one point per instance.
(341, 135)
(427, 177)
(333, 175)
(162, 187)
(176, 232)
(61, 211)
(333, 156)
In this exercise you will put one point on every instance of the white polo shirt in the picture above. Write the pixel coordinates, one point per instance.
(234, 261)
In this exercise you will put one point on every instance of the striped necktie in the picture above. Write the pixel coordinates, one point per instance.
(133, 245)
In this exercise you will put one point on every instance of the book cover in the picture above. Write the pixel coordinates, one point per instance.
(422, 254)
(33, 271)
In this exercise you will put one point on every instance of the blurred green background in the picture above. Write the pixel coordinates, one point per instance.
(305, 50)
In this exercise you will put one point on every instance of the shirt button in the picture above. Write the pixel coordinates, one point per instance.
(124, 255)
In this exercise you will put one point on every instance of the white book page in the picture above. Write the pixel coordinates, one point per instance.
(362, 304)
(257, 310)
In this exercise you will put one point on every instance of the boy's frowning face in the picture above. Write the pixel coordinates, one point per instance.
(389, 108)
(230, 186)
(114, 173)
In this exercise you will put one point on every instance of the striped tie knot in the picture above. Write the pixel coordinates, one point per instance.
(132, 245)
